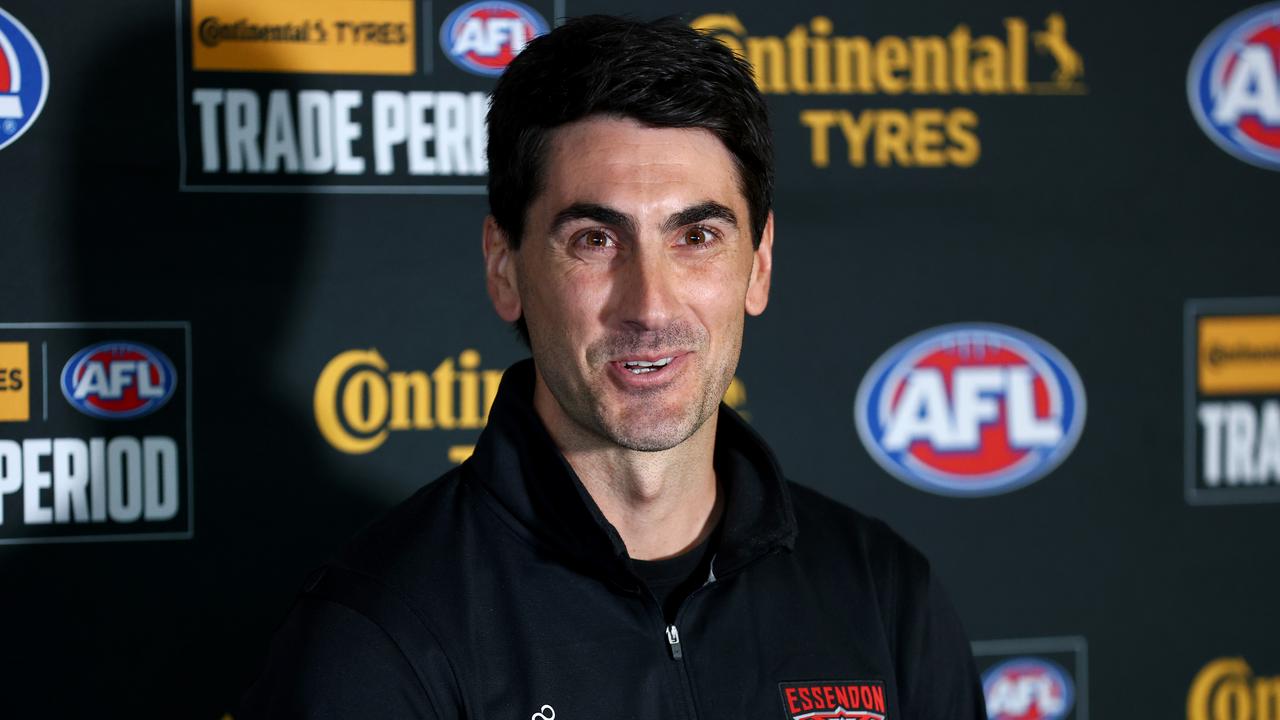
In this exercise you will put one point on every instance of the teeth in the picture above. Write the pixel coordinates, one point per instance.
(631, 364)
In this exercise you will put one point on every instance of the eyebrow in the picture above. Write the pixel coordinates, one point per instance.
(703, 211)
(597, 213)
(709, 210)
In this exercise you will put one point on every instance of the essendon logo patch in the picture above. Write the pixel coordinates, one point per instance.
(824, 699)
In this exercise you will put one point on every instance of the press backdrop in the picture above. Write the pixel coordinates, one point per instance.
(282, 200)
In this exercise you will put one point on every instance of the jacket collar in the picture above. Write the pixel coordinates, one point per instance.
(520, 467)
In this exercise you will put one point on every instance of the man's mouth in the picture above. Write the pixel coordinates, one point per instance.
(642, 367)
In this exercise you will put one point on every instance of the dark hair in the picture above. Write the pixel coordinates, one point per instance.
(661, 73)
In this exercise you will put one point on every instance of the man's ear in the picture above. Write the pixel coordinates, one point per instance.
(500, 271)
(761, 271)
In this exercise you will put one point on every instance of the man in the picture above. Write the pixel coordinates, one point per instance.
(620, 543)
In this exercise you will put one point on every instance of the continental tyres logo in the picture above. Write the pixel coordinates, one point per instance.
(1227, 689)
(815, 59)
(1239, 354)
(15, 385)
(1233, 400)
(359, 400)
(304, 36)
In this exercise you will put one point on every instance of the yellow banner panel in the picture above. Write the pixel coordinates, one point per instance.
(1239, 354)
(15, 383)
(356, 37)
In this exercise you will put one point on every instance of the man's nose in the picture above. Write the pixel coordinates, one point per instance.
(647, 291)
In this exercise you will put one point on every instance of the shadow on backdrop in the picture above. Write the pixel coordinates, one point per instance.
(177, 629)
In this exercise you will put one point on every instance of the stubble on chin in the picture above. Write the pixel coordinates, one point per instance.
(640, 419)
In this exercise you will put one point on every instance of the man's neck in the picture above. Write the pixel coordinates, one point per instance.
(662, 503)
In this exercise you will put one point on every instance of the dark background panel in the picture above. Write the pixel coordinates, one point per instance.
(1088, 221)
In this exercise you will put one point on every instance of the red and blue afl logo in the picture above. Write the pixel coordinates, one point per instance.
(24, 79)
(1233, 86)
(118, 380)
(1026, 688)
(972, 409)
(482, 37)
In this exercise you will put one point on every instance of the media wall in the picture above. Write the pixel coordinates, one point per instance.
(1026, 309)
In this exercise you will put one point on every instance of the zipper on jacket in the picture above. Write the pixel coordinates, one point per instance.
(673, 641)
(672, 636)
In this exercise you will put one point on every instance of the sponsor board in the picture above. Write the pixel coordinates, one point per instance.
(970, 409)
(358, 96)
(359, 400)
(95, 432)
(1227, 689)
(941, 78)
(1232, 435)
(1040, 678)
(24, 79)
(1233, 86)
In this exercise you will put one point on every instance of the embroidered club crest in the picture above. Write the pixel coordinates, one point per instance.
(834, 700)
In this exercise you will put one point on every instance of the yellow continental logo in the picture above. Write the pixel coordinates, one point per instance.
(1226, 689)
(1239, 354)
(813, 60)
(359, 400)
(15, 395)
(365, 37)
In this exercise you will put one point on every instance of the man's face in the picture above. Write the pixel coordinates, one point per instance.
(633, 275)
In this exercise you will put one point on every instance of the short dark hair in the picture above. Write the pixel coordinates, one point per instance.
(661, 73)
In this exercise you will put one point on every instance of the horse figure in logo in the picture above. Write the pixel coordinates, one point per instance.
(1053, 40)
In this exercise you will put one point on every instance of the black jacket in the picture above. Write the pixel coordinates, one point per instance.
(501, 592)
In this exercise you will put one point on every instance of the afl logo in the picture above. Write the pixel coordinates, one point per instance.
(118, 380)
(970, 409)
(482, 37)
(1233, 86)
(1028, 687)
(24, 79)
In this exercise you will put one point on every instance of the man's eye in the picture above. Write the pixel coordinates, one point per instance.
(596, 239)
(697, 236)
